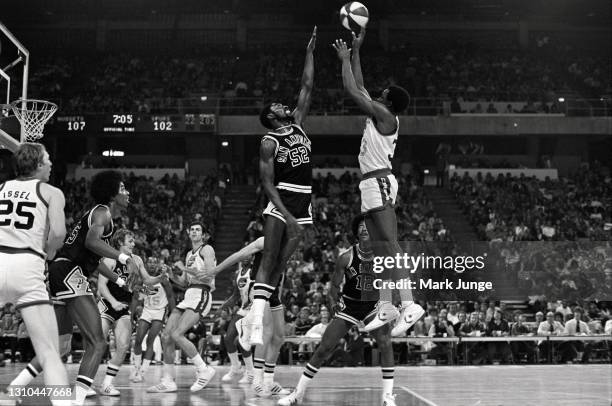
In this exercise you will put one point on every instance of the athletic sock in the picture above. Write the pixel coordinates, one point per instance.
(307, 376)
(145, 365)
(111, 373)
(198, 362)
(25, 376)
(234, 360)
(261, 295)
(248, 363)
(83, 384)
(406, 303)
(268, 376)
(259, 370)
(386, 296)
(177, 356)
(137, 360)
(167, 372)
(387, 375)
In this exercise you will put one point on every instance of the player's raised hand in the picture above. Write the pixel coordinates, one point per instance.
(313, 39)
(358, 39)
(342, 50)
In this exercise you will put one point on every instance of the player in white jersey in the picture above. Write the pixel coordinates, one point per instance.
(273, 325)
(158, 301)
(32, 229)
(186, 314)
(378, 186)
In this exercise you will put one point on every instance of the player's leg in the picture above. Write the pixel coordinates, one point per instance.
(387, 363)
(261, 358)
(167, 383)
(64, 326)
(141, 331)
(277, 318)
(336, 330)
(156, 327)
(229, 339)
(84, 312)
(266, 279)
(123, 336)
(204, 373)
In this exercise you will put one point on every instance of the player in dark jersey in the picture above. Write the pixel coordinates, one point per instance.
(80, 255)
(356, 306)
(274, 323)
(286, 172)
(116, 301)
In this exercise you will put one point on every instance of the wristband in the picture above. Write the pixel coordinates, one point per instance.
(123, 258)
(120, 282)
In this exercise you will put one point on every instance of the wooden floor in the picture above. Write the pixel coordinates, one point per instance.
(558, 385)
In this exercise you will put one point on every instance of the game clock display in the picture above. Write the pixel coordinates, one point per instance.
(125, 123)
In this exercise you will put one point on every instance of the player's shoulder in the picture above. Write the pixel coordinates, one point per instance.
(346, 255)
(207, 250)
(49, 191)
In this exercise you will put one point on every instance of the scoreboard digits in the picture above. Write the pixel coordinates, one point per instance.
(134, 123)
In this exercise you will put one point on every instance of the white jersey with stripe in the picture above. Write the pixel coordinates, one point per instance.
(155, 297)
(24, 222)
(245, 284)
(194, 259)
(376, 150)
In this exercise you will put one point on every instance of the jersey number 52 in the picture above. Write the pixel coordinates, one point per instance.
(299, 156)
(7, 207)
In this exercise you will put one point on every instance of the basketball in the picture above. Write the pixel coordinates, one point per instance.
(354, 16)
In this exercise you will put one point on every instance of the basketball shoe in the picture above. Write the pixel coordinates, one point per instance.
(163, 387)
(246, 379)
(410, 315)
(109, 390)
(233, 374)
(386, 313)
(294, 398)
(277, 390)
(203, 377)
(388, 400)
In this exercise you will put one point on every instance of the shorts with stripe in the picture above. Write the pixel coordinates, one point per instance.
(198, 299)
(378, 193)
(356, 311)
(149, 315)
(297, 199)
(22, 279)
(107, 312)
(67, 280)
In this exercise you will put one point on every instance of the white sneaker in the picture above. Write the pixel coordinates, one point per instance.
(133, 373)
(233, 375)
(109, 390)
(262, 390)
(410, 315)
(386, 314)
(163, 387)
(138, 377)
(247, 378)
(293, 399)
(203, 377)
(91, 393)
(388, 400)
(278, 390)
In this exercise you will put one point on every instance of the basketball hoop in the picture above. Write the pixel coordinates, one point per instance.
(33, 115)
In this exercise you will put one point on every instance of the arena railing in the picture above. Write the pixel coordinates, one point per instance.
(420, 106)
(457, 341)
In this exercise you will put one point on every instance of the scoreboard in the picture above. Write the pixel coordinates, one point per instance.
(126, 123)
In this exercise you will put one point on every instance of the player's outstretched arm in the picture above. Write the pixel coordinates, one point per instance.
(305, 96)
(251, 249)
(337, 278)
(101, 218)
(356, 61)
(266, 172)
(364, 102)
(144, 275)
(57, 218)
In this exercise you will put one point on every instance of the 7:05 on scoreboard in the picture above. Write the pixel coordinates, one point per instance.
(122, 123)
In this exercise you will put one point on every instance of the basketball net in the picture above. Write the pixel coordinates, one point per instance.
(33, 115)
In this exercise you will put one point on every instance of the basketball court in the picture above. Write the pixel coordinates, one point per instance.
(544, 385)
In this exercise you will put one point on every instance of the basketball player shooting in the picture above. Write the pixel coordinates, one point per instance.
(286, 172)
(378, 185)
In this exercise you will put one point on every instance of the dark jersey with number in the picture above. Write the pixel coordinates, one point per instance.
(359, 278)
(292, 164)
(120, 294)
(74, 245)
